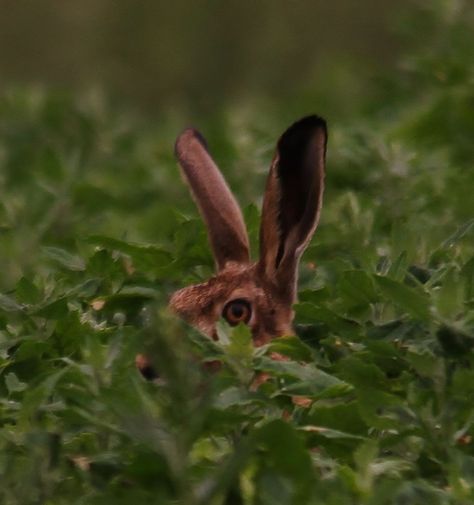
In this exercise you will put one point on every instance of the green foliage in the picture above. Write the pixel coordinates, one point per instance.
(373, 403)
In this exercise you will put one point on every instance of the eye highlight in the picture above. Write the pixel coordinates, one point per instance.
(237, 311)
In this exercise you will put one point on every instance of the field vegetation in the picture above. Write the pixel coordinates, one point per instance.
(97, 230)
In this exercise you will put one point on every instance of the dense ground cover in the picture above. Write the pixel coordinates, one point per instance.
(97, 230)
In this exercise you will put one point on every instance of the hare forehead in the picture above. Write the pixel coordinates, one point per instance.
(236, 281)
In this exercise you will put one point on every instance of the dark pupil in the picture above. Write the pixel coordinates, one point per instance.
(237, 310)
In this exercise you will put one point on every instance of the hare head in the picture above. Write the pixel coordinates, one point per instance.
(259, 294)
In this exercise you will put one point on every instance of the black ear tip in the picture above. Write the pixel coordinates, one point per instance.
(308, 124)
(185, 139)
(299, 134)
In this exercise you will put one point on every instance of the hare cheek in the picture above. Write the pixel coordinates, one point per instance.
(260, 339)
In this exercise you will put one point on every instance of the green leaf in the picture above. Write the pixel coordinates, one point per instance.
(314, 296)
(399, 266)
(373, 392)
(292, 347)
(232, 397)
(190, 244)
(362, 374)
(226, 473)
(330, 433)
(309, 380)
(414, 302)
(9, 304)
(27, 292)
(449, 297)
(14, 385)
(240, 345)
(103, 264)
(357, 287)
(309, 313)
(55, 310)
(85, 289)
(238, 348)
(459, 234)
(341, 416)
(208, 348)
(285, 451)
(467, 273)
(65, 259)
(365, 454)
(145, 257)
(30, 349)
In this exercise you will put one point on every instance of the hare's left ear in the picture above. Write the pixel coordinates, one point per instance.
(292, 202)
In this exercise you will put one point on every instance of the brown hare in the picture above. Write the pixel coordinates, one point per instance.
(259, 294)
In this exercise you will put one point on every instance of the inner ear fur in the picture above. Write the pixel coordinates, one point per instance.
(292, 201)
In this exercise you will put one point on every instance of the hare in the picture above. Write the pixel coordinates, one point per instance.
(259, 294)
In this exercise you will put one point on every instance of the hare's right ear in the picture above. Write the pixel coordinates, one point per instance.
(219, 209)
(292, 202)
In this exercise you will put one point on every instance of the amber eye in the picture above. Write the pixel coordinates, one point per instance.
(237, 311)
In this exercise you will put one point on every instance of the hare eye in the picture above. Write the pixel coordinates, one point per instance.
(237, 311)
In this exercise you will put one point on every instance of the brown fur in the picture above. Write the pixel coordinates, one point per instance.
(201, 305)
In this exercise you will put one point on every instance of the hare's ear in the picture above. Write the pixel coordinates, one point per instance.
(292, 202)
(219, 209)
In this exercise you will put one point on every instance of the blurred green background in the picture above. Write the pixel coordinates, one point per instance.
(93, 95)
(156, 55)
